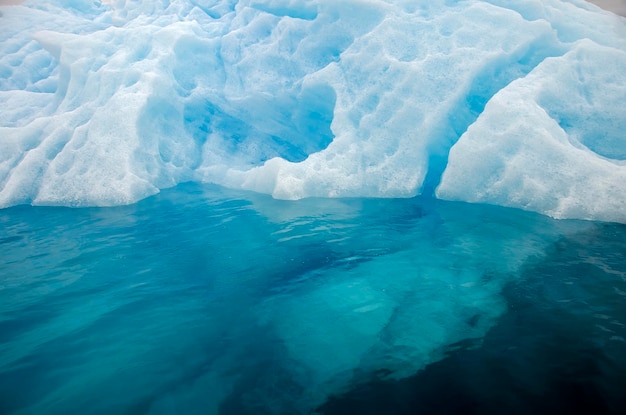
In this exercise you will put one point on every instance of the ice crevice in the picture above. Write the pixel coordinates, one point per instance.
(308, 98)
(396, 92)
(496, 75)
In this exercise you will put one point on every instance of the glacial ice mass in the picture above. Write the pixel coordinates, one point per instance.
(514, 103)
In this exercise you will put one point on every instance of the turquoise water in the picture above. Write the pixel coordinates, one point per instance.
(202, 300)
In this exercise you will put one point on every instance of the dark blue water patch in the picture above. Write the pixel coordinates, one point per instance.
(10, 239)
(560, 348)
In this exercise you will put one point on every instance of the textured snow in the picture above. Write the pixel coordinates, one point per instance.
(516, 103)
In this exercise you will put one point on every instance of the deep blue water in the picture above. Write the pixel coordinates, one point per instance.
(202, 300)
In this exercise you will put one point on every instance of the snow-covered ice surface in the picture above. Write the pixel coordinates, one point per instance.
(516, 103)
(551, 147)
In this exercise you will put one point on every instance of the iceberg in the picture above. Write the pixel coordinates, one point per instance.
(212, 296)
(514, 103)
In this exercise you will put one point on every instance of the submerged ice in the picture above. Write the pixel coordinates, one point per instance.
(515, 103)
(205, 300)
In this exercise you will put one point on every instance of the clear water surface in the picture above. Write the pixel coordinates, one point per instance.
(202, 300)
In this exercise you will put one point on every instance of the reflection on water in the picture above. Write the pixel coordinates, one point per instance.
(205, 300)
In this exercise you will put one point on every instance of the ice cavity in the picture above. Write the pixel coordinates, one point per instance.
(303, 98)
(150, 100)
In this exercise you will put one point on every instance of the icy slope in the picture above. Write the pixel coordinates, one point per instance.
(106, 103)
